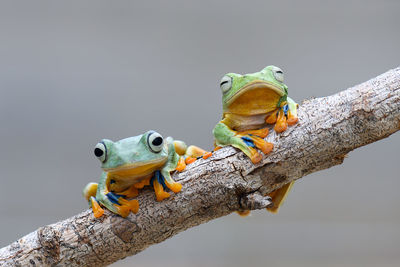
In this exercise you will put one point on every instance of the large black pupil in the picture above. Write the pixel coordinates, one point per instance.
(157, 141)
(98, 152)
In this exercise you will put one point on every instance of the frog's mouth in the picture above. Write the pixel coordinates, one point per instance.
(256, 97)
(136, 169)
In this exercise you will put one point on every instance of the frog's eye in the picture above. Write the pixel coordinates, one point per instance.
(155, 142)
(225, 84)
(278, 74)
(100, 151)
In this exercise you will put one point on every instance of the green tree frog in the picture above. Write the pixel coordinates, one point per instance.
(250, 102)
(135, 162)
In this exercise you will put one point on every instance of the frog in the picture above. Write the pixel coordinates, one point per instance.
(131, 164)
(250, 103)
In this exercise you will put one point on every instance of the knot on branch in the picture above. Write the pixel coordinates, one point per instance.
(49, 240)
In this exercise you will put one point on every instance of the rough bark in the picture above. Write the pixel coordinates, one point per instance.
(329, 128)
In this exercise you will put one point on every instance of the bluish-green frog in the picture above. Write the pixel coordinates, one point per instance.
(132, 163)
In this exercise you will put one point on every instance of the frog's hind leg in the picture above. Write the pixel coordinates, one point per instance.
(188, 154)
(130, 192)
(90, 191)
(260, 132)
(143, 182)
(194, 153)
(278, 197)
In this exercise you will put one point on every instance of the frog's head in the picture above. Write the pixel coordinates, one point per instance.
(133, 156)
(253, 93)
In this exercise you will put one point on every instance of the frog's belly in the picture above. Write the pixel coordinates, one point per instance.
(245, 122)
(119, 184)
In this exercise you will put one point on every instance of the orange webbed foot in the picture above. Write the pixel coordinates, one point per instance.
(281, 124)
(263, 145)
(127, 206)
(97, 210)
(217, 148)
(122, 210)
(292, 119)
(174, 186)
(243, 213)
(143, 183)
(159, 191)
(255, 157)
(130, 192)
(189, 160)
(181, 164)
(207, 155)
(271, 119)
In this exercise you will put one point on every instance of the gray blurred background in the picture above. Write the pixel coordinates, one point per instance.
(73, 72)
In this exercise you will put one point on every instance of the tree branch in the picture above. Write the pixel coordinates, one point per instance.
(329, 128)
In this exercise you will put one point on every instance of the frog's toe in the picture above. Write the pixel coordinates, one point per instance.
(263, 145)
(243, 213)
(134, 205)
(159, 191)
(281, 123)
(97, 210)
(271, 119)
(124, 206)
(251, 152)
(217, 148)
(174, 186)
(292, 119)
(131, 205)
(181, 164)
(130, 192)
(189, 160)
(162, 195)
(142, 183)
(280, 127)
(207, 155)
(255, 156)
(122, 210)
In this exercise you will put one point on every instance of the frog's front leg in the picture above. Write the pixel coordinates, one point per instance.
(169, 182)
(189, 154)
(114, 202)
(225, 136)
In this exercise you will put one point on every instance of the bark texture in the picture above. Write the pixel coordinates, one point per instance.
(328, 128)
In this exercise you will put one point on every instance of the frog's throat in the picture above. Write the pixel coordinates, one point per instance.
(254, 85)
(136, 169)
(256, 97)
